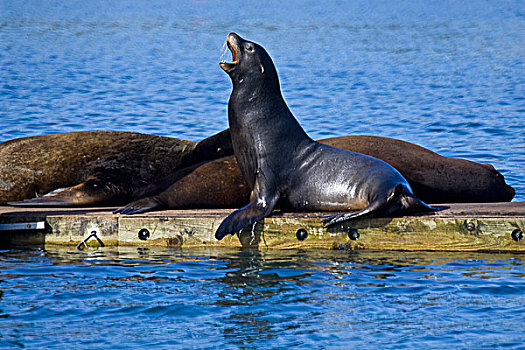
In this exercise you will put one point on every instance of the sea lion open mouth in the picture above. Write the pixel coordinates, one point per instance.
(233, 45)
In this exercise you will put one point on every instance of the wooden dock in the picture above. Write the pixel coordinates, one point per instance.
(489, 227)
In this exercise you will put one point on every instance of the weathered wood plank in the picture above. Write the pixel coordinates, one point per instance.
(463, 227)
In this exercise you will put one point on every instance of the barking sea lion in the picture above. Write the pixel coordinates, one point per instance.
(282, 164)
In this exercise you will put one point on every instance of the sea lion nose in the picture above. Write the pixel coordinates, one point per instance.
(234, 38)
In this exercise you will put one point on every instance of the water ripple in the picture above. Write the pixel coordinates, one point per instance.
(243, 298)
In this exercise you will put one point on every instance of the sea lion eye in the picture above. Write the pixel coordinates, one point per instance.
(249, 48)
(93, 183)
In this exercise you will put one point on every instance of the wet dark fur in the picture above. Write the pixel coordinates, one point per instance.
(281, 164)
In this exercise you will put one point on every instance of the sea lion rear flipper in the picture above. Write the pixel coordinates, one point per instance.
(399, 200)
(140, 206)
(261, 205)
(412, 204)
(368, 210)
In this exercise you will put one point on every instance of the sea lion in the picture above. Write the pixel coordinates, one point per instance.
(35, 165)
(214, 184)
(433, 178)
(89, 168)
(282, 164)
(95, 167)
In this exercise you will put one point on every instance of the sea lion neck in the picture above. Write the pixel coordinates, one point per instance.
(259, 93)
(258, 105)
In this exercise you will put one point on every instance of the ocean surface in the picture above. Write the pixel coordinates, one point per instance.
(446, 75)
(138, 298)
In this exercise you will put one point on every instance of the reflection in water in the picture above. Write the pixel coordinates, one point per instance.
(241, 298)
(253, 284)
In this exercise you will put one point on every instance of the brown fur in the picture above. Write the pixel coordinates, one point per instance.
(433, 178)
(121, 162)
(33, 166)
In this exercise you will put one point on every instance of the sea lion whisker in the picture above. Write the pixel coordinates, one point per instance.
(226, 50)
(234, 49)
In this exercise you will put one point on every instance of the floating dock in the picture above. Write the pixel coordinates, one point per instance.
(488, 227)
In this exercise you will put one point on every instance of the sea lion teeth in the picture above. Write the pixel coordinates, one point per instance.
(233, 45)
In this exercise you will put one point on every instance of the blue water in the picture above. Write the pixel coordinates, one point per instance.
(230, 299)
(447, 75)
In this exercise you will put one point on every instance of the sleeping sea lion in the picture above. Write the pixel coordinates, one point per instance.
(95, 167)
(434, 178)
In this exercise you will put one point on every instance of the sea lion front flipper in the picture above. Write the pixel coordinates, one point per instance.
(140, 206)
(243, 217)
(263, 200)
(63, 197)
